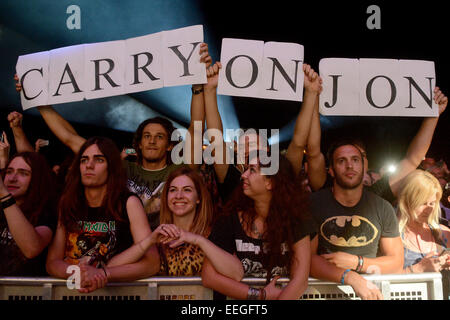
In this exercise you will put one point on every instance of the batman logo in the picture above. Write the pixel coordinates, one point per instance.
(348, 231)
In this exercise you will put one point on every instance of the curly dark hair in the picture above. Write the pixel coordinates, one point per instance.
(289, 205)
(166, 124)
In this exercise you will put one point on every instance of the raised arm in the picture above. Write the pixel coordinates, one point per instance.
(317, 173)
(20, 139)
(62, 129)
(198, 108)
(419, 145)
(297, 145)
(213, 119)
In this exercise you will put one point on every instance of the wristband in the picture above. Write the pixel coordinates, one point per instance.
(344, 274)
(196, 91)
(360, 264)
(253, 293)
(8, 203)
(7, 196)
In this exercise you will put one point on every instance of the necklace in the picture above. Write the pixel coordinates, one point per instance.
(256, 231)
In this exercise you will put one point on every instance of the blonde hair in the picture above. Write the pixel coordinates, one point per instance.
(204, 211)
(417, 188)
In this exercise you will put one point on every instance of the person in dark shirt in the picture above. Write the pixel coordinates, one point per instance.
(268, 228)
(98, 219)
(355, 225)
(388, 186)
(27, 214)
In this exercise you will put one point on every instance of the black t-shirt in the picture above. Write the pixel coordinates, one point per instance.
(99, 237)
(356, 230)
(383, 189)
(231, 181)
(228, 234)
(13, 262)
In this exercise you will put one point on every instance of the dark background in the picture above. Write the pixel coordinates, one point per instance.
(409, 30)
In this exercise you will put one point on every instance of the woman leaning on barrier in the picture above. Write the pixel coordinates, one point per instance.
(181, 230)
(425, 240)
(266, 225)
(27, 214)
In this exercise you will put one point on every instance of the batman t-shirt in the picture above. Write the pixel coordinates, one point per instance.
(356, 230)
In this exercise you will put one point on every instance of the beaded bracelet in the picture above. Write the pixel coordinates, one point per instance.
(253, 293)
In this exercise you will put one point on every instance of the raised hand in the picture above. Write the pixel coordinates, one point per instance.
(212, 74)
(204, 55)
(312, 82)
(15, 119)
(440, 99)
(4, 150)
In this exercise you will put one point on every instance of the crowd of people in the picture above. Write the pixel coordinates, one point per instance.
(124, 216)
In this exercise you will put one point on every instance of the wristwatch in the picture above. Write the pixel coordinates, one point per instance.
(196, 91)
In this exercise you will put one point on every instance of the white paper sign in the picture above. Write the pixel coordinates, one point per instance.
(181, 50)
(419, 81)
(385, 87)
(144, 63)
(272, 70)
(282, 74)
(32, 70)
(66, 70)
(339, 75)
(241, 66)
(378, 81)
(104, 69)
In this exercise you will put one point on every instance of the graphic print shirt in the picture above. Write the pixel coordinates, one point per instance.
(13, 262)
(356, 230)
(148, 184)
(98, 238)
(228, 234)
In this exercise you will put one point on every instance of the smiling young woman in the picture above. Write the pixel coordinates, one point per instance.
(181, 229)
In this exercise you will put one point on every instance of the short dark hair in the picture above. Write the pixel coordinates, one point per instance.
(343, 142)
(166, 124)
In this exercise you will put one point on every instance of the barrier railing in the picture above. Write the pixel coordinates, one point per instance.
(425, 286)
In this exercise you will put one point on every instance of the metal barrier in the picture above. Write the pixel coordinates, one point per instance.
(425, 286)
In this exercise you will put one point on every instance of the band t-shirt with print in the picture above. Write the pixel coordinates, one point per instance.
(148, 184)
(356, 230)
(13, 262)
(228, 234)
(98, 238)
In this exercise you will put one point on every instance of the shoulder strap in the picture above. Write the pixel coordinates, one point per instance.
(437, 236)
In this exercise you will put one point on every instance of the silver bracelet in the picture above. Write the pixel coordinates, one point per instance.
(253, 293)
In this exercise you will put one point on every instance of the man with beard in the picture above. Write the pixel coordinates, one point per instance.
(358, 229)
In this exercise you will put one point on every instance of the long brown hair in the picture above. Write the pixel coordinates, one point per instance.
(41, 192)
(203, 215)
(289, 205)
(73, 205)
